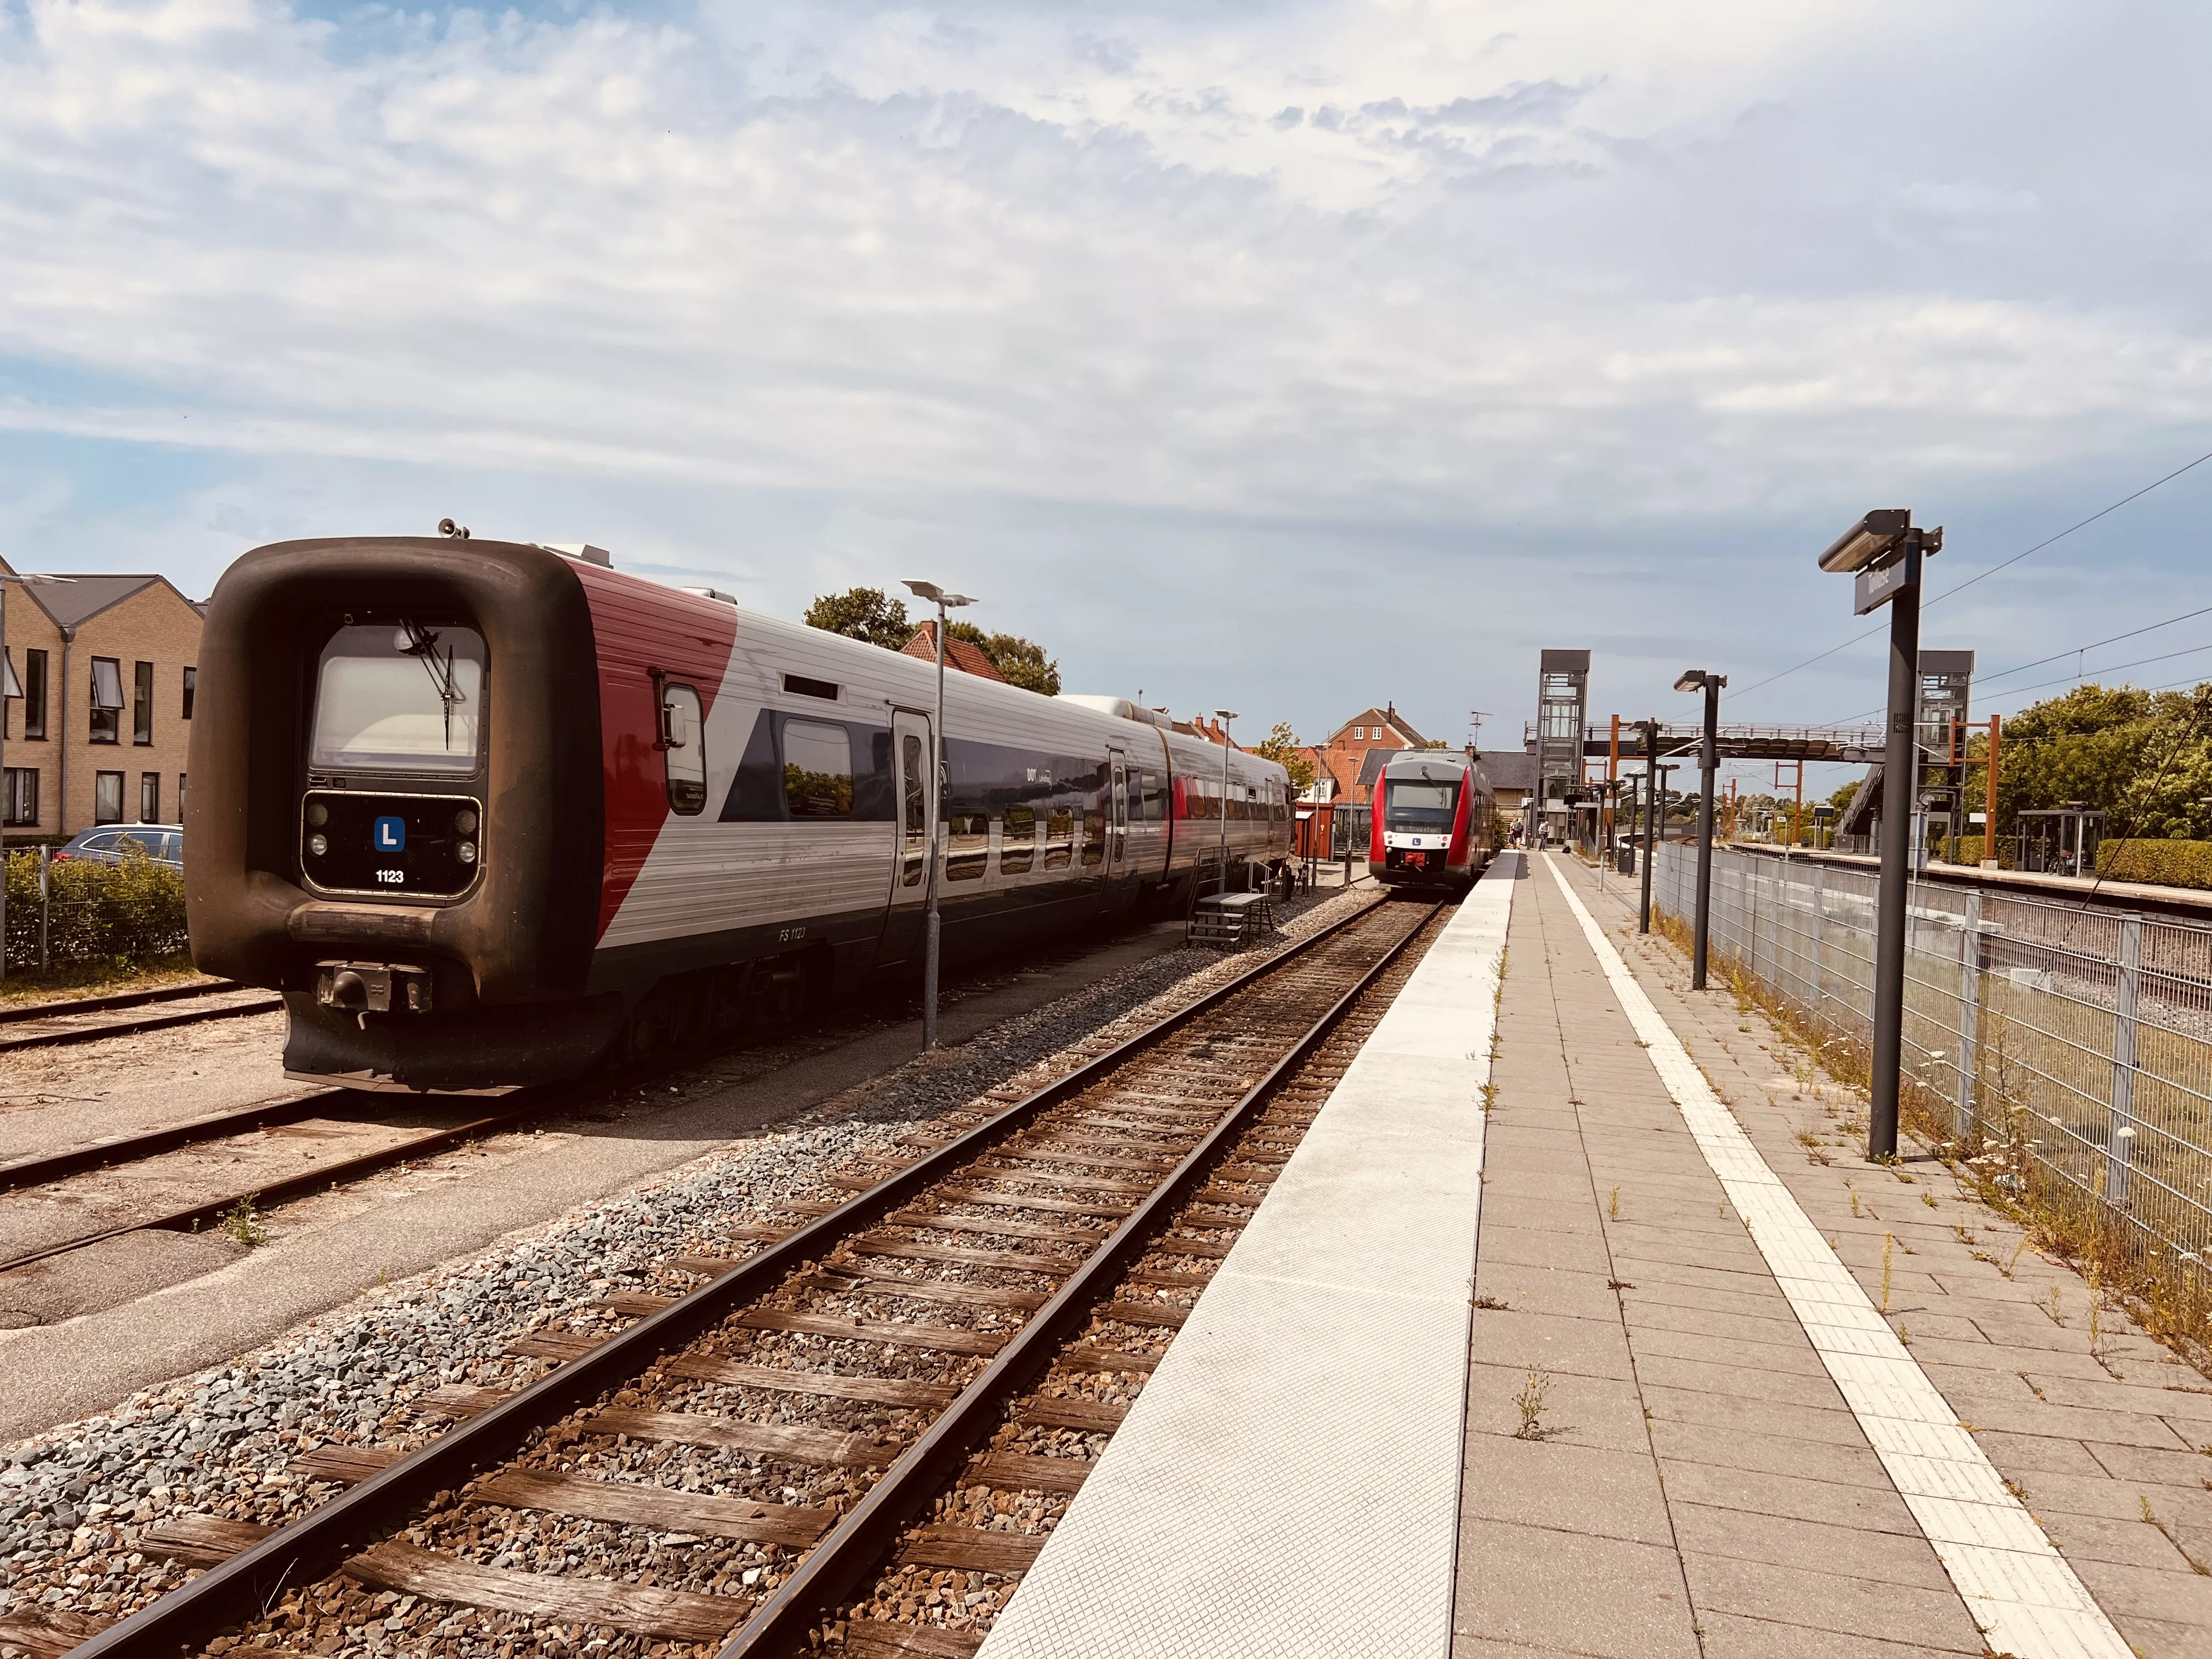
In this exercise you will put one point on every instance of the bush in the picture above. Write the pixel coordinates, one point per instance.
(1967, 849)
(132, 912)
(2168, 863)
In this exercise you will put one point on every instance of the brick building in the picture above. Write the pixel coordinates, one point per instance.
(966, 655)
(1347, 764)
(100, 672)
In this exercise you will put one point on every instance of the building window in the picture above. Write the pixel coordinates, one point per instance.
(141, 702)
(191, 684)
(150, 797)
(107, 796)
(106, 711)
(180, 798)
(1359, 734)
(34, 693)
(19, 797)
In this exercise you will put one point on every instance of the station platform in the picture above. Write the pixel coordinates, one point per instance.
(1577, 1325)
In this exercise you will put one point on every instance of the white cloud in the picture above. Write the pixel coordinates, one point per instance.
(1514, 270)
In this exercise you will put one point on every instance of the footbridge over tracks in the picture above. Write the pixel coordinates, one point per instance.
(1856, 744)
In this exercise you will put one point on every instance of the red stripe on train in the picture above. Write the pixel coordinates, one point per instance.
(638, 626)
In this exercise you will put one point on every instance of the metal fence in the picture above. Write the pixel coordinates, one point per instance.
(2075, 1041)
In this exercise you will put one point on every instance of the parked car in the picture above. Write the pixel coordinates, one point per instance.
(111, 843)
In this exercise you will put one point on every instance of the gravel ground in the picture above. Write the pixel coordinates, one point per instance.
(74, 1502)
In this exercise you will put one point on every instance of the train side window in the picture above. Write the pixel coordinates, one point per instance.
(683, 747)
(1018, 840)
(1059, 838)
(915, 812)
(968, 855)
(817, 770)
(1094, 837)
(1151, 806)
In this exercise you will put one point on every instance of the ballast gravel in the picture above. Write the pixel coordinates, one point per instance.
(76, 1501)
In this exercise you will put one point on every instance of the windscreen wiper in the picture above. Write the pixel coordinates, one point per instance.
(422, 646)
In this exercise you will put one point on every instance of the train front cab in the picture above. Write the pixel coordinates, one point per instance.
(395, 816)
(1429, 829)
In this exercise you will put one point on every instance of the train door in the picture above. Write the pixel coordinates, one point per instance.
(1120, 865)
(915, 781)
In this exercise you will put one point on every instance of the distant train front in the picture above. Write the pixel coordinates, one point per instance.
(1434, 821)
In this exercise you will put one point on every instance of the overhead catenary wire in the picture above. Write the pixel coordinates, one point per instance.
(1985, 575)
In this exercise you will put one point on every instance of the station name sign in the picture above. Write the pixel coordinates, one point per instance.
(1877, 585)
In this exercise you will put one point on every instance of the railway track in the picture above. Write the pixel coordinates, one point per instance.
(340, 1135)
(89, 1019)
(898, 1387)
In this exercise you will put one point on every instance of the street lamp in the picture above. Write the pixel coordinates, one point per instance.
(1882, 552)
(1709, 763)
(1653, 784)
(944, 601)
(10, 689)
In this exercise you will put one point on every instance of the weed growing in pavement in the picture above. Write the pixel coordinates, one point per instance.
(2166, 1532)
(1530, 1401)
(1855, 1207)
(242, 1224)
(1888, 1244)
(1929, 1199)
(2056, 1317)
(1495, 1304)
(1612, 1206)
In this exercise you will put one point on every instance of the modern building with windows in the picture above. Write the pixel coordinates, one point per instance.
(100, 680)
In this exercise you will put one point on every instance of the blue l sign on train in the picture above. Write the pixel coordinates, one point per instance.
(391, 835)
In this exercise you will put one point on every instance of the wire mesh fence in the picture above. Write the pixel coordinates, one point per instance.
(78, 911)
(2055, 1044)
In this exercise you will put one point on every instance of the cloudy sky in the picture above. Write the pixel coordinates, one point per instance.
(1278, 356)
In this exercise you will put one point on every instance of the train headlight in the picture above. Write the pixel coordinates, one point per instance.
(318, 814)
(319, 845)
(466, 820)
(466, 852)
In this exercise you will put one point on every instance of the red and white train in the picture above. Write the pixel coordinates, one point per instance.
(1434, 823)
(487, 813)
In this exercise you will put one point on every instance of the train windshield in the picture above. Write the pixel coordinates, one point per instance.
(404, 697)
(1415, 803)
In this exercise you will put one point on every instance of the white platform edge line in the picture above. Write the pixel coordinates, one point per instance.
(2026, 1599)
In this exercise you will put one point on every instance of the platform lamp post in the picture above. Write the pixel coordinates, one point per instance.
(1883, 552)
(11, 689)
(1225, 715)
(1709, 764)
(1651, 786)
(944, 601)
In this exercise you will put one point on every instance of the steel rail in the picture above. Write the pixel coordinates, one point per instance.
(307, 1182)
(133, 1027)
(321, 1541)
(61, 1005)
(782, 1623)
(94, 1155)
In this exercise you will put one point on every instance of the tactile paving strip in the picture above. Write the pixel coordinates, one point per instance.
(2026, 1599)
(1288, 1482)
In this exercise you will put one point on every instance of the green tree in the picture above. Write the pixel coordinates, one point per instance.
(862, 613)
(1021, 661)
(1281, 745)
(2142, 758)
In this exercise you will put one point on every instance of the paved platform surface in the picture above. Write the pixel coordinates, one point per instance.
(2101, 1434)
(1730, 1391)
(1276, 1489)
